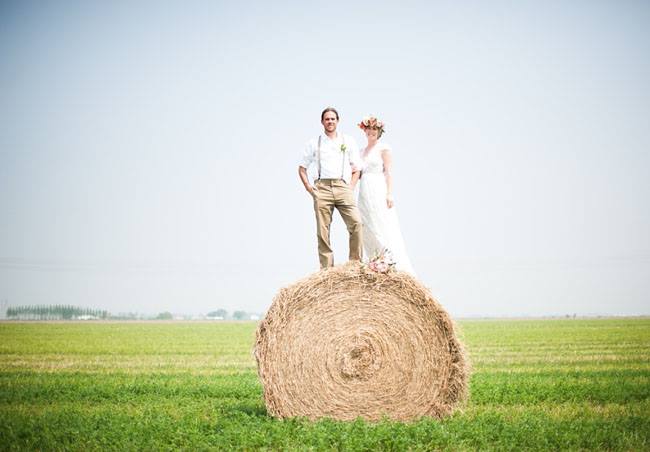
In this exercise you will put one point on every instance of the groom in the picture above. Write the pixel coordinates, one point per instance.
(336, 157)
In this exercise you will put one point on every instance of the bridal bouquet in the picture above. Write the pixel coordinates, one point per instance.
(382, 262)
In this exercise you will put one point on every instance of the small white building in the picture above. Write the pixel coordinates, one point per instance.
(87, 317)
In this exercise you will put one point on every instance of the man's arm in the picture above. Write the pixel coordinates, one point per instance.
(355, 178)
(355, 163)
(308, 156)
(302, 172)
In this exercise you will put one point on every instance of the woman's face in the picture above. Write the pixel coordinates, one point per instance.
(372, 134)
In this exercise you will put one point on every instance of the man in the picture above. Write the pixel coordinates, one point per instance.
(336, 157)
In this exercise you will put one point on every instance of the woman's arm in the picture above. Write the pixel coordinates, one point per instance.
(388, 168)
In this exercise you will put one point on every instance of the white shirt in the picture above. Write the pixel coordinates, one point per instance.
(334, 163)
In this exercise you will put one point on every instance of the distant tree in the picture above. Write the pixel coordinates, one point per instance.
(218, 313)
(53, 312)
(165, 316)
(240, 315)
(124, 316)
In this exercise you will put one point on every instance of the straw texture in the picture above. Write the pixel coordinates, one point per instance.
(348, 342)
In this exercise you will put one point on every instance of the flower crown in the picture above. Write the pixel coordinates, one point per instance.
(371, 122)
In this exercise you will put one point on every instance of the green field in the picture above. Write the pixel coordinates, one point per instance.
(536, 384)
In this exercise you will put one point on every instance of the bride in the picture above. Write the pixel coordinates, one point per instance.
(381, 229)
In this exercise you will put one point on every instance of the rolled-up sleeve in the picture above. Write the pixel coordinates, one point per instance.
(308, 156)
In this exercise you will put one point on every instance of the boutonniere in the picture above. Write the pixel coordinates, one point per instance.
(343, 147)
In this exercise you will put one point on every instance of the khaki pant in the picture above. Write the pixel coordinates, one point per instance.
(332, 193)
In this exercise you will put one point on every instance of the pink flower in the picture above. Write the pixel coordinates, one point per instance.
(371, 122)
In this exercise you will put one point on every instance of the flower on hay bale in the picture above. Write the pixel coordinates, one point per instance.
(382, 262)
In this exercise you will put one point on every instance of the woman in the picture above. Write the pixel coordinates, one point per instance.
(381, 231)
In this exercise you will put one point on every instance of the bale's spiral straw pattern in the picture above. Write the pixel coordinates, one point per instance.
(348, 342)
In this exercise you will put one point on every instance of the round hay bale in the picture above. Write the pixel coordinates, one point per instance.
(348, 342)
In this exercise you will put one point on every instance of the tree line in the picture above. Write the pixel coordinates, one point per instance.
(69, 312)
(223, 314)
(219, 314)
(53, 312)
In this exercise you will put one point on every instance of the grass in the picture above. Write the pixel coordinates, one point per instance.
(537, 384)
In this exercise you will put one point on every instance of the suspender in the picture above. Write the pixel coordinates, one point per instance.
(342, 157)
(318, 156)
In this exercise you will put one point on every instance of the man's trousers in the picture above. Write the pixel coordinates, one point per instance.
(331, 193)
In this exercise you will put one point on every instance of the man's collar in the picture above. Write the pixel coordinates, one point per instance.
(338, 136)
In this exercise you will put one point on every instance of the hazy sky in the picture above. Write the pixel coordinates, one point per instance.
(149, 150)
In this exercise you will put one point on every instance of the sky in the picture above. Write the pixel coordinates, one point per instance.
(149, 150)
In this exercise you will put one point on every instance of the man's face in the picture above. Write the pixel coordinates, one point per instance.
(329, 121)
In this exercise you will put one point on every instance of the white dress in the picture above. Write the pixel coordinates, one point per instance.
(380, 224)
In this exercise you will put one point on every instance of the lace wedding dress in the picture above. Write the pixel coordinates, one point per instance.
(380, 224)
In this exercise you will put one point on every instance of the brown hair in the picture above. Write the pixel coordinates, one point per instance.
(332, 109)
